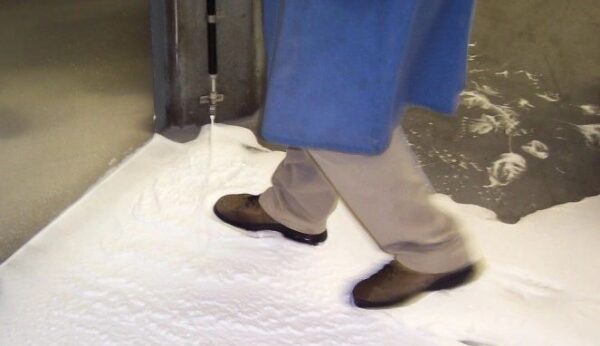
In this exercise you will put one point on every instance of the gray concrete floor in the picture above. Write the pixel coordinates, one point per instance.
(75, 97)
(536, 62)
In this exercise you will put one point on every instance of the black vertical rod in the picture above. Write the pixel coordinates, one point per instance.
(211, 13)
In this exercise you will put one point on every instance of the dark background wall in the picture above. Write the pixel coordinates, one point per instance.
(75, 97)
(181, 67)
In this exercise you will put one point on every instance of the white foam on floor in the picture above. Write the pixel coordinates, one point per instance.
(141, 260)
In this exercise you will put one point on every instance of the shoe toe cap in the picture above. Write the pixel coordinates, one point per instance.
(362, 292)
(230, 203)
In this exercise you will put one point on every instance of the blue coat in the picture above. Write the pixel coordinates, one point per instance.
(341, 72)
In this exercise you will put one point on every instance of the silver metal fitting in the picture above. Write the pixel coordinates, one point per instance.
(213, 98)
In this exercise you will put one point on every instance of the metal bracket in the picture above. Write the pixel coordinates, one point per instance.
(213, 98)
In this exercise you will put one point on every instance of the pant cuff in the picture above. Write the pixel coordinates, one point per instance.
(285, 217)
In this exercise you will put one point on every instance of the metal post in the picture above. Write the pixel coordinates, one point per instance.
(214, 97)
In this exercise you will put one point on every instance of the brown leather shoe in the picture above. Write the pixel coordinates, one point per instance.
(395, 284)
(245, 212)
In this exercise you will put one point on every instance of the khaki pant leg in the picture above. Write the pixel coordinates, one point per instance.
(301, 198)
(389, 194)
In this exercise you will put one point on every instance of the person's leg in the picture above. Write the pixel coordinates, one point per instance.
(301, 198)
(389, 194)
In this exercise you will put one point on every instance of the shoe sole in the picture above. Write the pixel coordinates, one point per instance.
(454, 280)
(296, 236)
